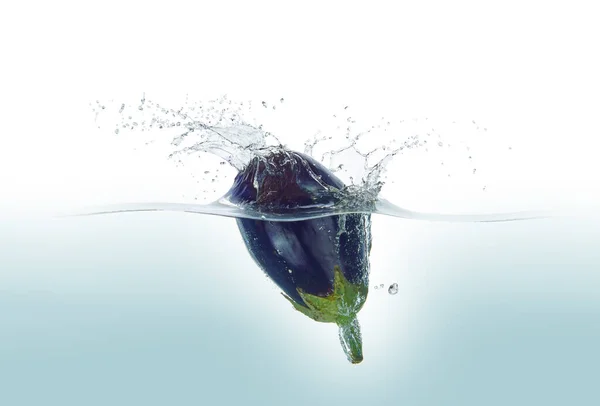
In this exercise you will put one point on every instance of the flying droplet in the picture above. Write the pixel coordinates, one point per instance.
(381, 286)
(393, 289)
(264, 104)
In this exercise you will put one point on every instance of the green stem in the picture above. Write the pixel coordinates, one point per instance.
(351, 339)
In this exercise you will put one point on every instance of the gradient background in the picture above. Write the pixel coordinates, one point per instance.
(168, 308)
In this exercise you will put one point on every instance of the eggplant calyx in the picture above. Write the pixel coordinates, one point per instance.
(340, 307)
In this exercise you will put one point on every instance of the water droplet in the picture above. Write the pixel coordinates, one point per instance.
(393, 289)
(376, 287)
(281, 100)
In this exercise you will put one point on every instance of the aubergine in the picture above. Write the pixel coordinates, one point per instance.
(320, 264)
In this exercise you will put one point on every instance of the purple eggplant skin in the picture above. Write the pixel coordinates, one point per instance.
(300, 255)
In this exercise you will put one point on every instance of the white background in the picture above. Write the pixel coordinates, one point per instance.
(525, 70)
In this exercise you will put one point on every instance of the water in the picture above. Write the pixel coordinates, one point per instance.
(313, 236)
(169, 308)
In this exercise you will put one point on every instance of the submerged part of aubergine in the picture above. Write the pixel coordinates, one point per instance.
(322, 265)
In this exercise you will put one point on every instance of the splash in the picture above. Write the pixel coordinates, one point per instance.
(230, 131)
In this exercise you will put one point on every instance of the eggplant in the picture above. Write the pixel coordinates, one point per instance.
(320, 264)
